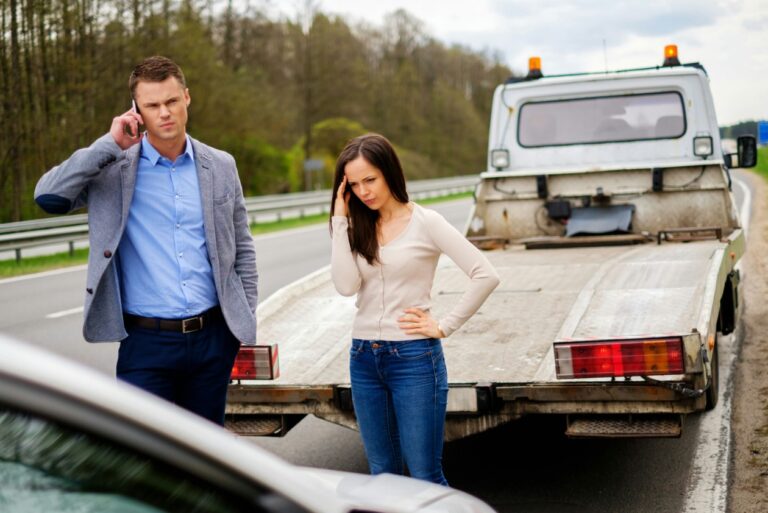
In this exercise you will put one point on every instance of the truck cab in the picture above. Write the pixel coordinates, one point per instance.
(611, 138)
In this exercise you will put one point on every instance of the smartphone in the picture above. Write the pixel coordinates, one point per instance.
(129, 128)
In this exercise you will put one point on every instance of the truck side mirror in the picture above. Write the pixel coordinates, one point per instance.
(747, 150)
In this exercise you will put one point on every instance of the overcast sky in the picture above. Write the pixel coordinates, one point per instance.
(729, 37)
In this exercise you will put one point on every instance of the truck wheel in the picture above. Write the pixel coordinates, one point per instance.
(714, 389)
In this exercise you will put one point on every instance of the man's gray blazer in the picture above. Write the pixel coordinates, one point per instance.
(102, 177)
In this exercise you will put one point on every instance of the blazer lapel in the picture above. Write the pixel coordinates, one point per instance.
(128, 172)
(205, 180)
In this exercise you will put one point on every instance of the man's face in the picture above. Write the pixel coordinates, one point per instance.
(163, 107)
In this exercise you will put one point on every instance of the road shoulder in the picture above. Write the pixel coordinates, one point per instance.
(749, 470)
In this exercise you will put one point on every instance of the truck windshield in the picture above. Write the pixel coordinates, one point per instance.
(604, 119)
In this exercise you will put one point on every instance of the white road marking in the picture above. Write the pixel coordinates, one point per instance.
(708, 490)
(746, 207)
(710, 469)
(44, 274)
(64, 313)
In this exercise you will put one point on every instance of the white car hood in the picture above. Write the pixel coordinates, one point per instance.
(400, 494)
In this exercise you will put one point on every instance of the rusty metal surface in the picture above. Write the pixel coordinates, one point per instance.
(488, 243)
(586, 241)
(244, 393)
(460, 427)
(693, 196)
(689, 234)
(603, 407)
(586, 392)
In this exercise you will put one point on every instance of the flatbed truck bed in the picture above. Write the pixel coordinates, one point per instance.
(500, 364)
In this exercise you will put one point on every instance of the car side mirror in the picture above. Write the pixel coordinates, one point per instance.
(747, 150)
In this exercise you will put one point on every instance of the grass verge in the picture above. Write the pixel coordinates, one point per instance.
(762, 162)
(28, 265)
(36, 264)
(298, 222)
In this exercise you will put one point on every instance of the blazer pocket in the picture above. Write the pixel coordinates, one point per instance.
(223, 200)
(237, 285)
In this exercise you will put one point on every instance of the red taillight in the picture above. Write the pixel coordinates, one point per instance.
(616, 358)
(256, 362)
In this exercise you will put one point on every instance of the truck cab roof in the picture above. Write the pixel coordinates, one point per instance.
(603, 121)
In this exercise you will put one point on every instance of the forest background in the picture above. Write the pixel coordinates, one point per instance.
(273, 92)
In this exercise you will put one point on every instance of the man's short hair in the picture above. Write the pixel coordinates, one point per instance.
(155, 69)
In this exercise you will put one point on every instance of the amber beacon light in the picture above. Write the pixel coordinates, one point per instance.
(670, 56)
(534, 67)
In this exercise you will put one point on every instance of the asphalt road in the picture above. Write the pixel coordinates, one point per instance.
(528, 466)
(46, 309)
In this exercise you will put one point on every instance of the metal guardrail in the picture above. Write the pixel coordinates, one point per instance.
(74, 228)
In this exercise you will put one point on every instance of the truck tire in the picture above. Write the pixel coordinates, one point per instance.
(713, 390)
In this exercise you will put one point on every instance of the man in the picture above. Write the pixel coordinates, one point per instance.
(172, 266)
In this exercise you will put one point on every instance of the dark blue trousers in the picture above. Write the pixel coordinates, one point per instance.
(191, 370)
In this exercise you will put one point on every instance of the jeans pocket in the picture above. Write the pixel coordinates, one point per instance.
(356, 348)
(415, 350)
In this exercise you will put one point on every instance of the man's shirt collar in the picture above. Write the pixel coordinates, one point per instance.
(152, 155)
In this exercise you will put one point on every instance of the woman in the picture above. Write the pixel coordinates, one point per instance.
(385, 250)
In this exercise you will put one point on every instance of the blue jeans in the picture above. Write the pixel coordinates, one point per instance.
(400, 393)
(191, 370)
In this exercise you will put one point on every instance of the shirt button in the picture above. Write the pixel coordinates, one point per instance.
(181, 255)
(178, 226)
(178, 196)
(107, 253)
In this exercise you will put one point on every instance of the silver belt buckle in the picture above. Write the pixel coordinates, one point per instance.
(184, 324)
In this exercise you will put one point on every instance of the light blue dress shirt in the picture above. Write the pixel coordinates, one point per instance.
(163, 258)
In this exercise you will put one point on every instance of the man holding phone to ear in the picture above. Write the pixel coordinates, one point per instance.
(172, 266)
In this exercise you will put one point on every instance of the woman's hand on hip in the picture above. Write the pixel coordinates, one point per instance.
(341, 206)
(418, 322)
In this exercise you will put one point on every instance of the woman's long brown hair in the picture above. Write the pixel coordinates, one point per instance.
(378, 152)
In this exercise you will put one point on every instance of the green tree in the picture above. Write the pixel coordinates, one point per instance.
(269, 90)
(263, 168)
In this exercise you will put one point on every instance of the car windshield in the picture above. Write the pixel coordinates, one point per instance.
(603, 119)
(48, 467)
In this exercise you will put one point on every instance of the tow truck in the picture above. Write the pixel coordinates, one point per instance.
(606, 208)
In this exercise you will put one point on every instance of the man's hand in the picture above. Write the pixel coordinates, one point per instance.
(341, 206)
(418, 322)
(125, 129)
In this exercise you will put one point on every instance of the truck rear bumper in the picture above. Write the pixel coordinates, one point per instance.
(472, 408)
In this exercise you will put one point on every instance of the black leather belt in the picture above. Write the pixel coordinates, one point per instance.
(188, 325)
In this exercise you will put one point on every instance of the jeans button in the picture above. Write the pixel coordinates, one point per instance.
(375, 345)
